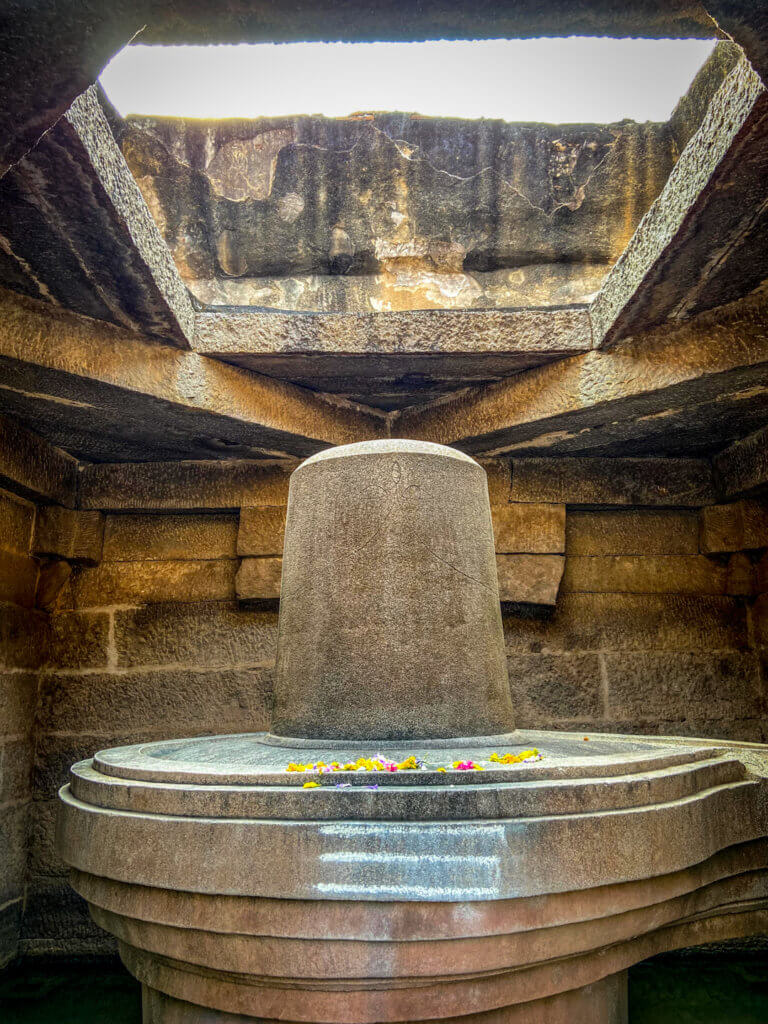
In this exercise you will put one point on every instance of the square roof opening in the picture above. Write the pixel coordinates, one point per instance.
(556, 80)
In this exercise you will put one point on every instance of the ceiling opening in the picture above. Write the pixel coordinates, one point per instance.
(568, 80)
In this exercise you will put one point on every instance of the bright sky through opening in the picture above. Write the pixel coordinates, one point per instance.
(555, 80)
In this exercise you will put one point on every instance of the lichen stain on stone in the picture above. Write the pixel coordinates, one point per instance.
(401, 204)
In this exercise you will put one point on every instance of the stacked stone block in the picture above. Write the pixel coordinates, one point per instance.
(23, 648)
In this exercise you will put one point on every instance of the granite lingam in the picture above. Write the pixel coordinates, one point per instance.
(490, 875)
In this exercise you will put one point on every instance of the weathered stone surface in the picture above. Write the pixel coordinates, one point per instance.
(31, 465)
(10, 925)
(18, 696)
(747, 24)
(630, 622)
(414, 211)
(388, 578)
(65, 533)
(132, 538)
(529, 579)
(688, 387)
(15, 770)
(740, 526)
(498, 473)
(23, 637)
(258, 579)
(694, 685)
(120, 583)
(699, 245)
(632, 532)
(392, 360)
(56, 753)
(170, 703)
(760, 620)
(261, 531)
(612, 481)
(17, 517)
(56, 922)
(110, 395)
(77, 232)
(529, 527)
(42, 858)
(203, 635)
(580, 840)
(18, 578)
(183, 485)
(648, 574)
(51, 582)
(78, 640)
(547, 687)
(743, 467)
(691, 108)
(13, 824)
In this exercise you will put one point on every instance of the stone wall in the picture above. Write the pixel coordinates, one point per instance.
(632, 602)
(23, 647)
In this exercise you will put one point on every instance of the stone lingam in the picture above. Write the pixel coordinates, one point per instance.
(441, 892)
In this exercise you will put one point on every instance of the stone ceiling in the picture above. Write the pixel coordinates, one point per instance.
(508, 289)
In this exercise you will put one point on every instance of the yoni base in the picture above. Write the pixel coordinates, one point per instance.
(604, 1002)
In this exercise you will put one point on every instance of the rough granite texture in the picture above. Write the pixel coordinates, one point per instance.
(77, 232)
(368, 527)
(393, 211)
(182, 657)
(23, 648)
(699, 245)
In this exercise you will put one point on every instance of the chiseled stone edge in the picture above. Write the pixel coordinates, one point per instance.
(268, 332)
(34, 467)
(87, 119)
(115, 368)
(567, 402)
(612, 310)
(742, 468)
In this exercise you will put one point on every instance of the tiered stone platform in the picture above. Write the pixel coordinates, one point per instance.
(434, 896)
(517, 893)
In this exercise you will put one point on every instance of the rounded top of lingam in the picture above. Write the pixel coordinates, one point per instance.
(388, 446)
(390, 624)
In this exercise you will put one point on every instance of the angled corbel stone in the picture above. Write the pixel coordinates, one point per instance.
(66, 534)
(740, 526)
(50, 581)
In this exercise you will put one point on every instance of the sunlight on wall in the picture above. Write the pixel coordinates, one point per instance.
(556, 80)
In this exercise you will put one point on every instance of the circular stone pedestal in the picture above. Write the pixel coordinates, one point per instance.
(522, 892)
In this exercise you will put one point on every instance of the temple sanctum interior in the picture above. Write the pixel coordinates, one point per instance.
(383, 517)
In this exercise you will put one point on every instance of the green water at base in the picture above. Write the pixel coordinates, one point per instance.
(668, 990)
(60, 991)
(703, 989)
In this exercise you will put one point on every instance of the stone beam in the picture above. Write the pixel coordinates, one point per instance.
(701, 244)
(648, 483)
(111, 396)
(184, 485)
(76, 232)
(31, 466)
(742, 468)
(689, 388)
(392, 359)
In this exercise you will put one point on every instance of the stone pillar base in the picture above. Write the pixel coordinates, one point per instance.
(604, 1002)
